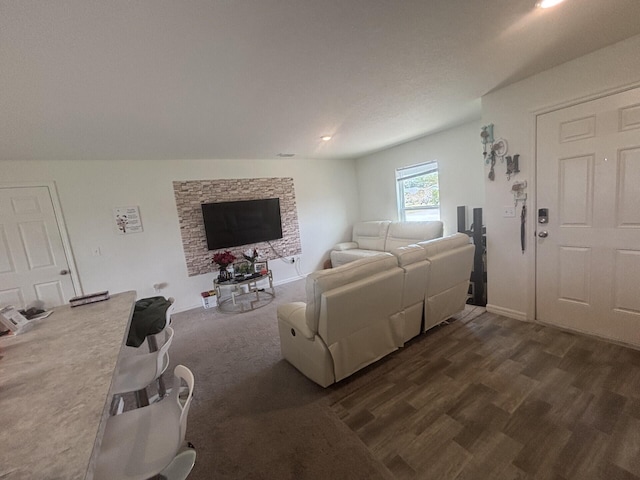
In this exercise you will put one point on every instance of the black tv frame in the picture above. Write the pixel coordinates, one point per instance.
(241, 222)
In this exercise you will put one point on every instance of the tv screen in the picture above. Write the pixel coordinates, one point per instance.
(231, 224)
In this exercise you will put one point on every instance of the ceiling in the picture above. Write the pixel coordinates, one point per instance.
(205, 79)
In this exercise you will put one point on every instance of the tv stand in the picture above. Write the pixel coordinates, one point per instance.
(244, 294)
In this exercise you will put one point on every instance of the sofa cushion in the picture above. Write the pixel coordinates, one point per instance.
(450, 264)
(413, 260)
(406, 233)
(439, 245)
(409, 254)
(346, 246)
(324, 280)
(340, 257)
(353, 307)
(371, 235)
(450, 259)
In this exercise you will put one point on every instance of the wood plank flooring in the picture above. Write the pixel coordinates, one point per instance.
(495, 398)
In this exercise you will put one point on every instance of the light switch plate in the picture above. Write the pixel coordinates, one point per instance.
(508, 211)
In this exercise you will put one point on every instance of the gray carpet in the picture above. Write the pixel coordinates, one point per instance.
(254, 416)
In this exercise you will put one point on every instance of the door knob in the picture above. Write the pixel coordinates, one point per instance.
(543, 234)
(64, 272)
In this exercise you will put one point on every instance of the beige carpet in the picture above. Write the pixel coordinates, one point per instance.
(254, 416)
(482, 397)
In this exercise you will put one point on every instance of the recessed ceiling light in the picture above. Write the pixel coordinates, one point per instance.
(548, 3)
(325, 138)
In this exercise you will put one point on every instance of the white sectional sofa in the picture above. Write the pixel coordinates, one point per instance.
(415, 266)
(450, 264)
(361, 311)
(371, 238)
(351, 319)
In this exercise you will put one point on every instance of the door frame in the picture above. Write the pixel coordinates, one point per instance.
(62, 228)
(532, 312)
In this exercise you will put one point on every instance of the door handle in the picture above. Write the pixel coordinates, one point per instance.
(64, 272)
(543, 234)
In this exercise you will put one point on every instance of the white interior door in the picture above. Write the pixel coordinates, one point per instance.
(588, 177)
(33, 264)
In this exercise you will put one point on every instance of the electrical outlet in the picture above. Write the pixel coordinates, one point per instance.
(508, 211)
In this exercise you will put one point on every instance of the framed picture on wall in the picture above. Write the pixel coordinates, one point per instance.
(261, 267)
(127, 220)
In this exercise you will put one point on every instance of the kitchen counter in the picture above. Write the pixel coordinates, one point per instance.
(55, 389)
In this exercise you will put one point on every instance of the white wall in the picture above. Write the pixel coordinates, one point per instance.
(326, 197)
(459, 155)
(511, 280)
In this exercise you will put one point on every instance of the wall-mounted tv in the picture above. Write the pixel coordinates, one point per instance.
(242, 222)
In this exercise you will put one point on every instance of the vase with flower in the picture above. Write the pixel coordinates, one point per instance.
(251, 257)
(223, 260)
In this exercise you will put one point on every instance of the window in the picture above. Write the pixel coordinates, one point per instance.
(418, 192)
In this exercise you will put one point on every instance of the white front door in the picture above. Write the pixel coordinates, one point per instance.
(588, 254)
(33, 264)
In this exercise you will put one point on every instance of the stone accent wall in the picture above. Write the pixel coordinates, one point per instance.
(192, 193)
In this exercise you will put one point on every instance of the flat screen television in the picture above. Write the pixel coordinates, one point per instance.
(242, 222)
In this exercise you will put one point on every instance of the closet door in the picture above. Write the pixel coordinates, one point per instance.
(33, 264)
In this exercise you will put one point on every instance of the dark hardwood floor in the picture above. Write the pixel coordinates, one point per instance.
(495, 398)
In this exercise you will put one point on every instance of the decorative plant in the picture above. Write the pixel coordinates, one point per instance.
(250, 256)
(224, 259)
(242, 268)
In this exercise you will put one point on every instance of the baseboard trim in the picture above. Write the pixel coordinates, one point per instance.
(507, 312)
(615, 340)
(289, 280)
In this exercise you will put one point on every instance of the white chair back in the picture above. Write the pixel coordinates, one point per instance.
(162, 360)
(140, 443)
(170, 310)
(151, 339)
(182, 373)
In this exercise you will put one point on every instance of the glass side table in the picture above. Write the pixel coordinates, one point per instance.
(242, 294)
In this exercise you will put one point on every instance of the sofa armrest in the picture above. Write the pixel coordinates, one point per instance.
(346, 246)
(293, 315)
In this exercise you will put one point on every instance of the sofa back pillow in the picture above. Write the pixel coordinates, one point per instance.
(409, 254)
(401, 234)
(439, 245)
(413, 260)
(371, 235)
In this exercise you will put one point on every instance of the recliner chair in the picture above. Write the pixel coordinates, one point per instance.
(352, 318)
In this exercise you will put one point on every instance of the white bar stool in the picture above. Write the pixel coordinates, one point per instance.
(151, 339)
(137, 372)
(182, 464)
(153, 345)
(141, 443)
